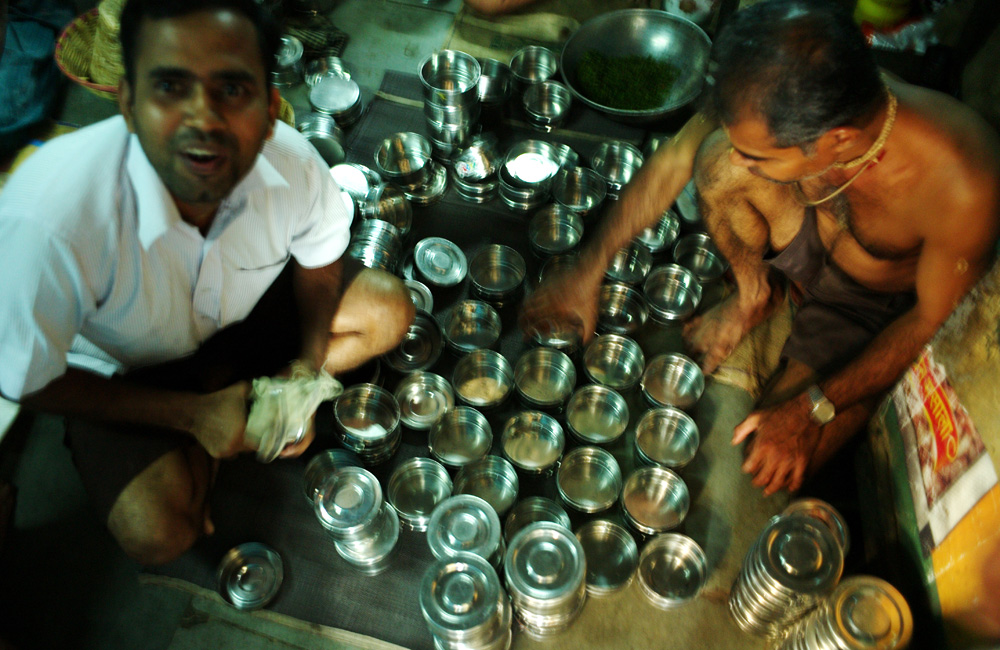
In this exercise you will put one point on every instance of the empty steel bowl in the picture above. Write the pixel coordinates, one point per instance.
(621, 309)
(440, 262)
(532, 441)
(554, 230)
(532, 65)
(368, 422)
(421, 345)
(617, 162)
(528, 511)
(654, 500)
(672, 570)
(483, 378)
(471, 325)
(544, 377)
(490, 478)
(660, 236)
(402, 159)
(450, 77)
(612, 556)
(672, 293)
(322, 465)
(547, 105)
(597, 414)
(494, 82)
(698, 253)
(530, 165)
(415, 488)
(673, 380)
(630, 265)
(589, 479)
(460, 436)
(666, 437)
(423, 397)
(614, 361)
(496, 273)
(581, 190)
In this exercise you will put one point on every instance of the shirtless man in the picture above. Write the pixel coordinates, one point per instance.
(877, 200)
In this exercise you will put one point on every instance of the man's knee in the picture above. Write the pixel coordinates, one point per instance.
(157, 535)
(384, 301)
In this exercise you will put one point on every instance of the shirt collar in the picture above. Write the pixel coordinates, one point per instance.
(155, 207)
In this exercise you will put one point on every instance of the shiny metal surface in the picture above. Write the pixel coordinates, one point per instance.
(402, 159)
(699, 254)
(415, 488)
(357, 180)
(388, 203)
(371, 553)
(450, 77)
(494, 81)
(483, 378)
(348, 503)
(547, 105)
(433, 189)
(617, 162)
(597, 415)
(324, 66)
(479, 160)
(460, 436)
(423, 397)
(544, 377)
(421, 345)
(460, 598)
(440, 262)
(672, 570)
(581, 190)
(654, 500)
(589, 479)
(532, 441)
(250, 575)
(420, 295)
(321, 466)
(673, 380)
(367, 419)
(672, 292)
(492, 479)
(464, 523)
(528, 511)
(471, 325)
(614, 361)
(554, 230)
(324, 135)
(288, 66)
(667, 437)
(612, 556)
(338, 97)
(621, 309)
(496, 272)
(641, 32)
(662, 235)
(823, 511)
(630, 265)
(531, 65)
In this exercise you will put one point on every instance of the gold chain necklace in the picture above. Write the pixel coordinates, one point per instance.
(867, 159)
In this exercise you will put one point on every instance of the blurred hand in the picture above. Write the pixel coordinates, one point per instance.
(221, 420)
(784, 441)
(566, 301)
(295, 450)
(713, 336)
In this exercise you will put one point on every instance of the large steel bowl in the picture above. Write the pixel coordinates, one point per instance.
(641, 32)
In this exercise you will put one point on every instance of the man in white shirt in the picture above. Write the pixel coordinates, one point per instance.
(149, 277)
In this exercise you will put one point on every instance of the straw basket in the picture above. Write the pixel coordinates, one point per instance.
(106, 65)
(75, 52)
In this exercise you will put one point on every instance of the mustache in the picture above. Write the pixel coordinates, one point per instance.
(192, 136)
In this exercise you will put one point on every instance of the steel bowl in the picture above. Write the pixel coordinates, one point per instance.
(672, 293)
(532, 441)
(322, 465)
(641, 32)
(530, 165)
(494, 82)
(547, 105)
(415, 488)
(496, 273)
(589, 479)
(617, 162)
(367, 419)
(612, 556)
(673, 380)
(421, 345)
(528, 511)
(667, 437)
(544, 377)
(614, 361)
(490, 478)
(450, 77)
(554, 230)
(581, 190)
(654, 500)
(597, 415)
(403, 159)
(471, 325)
(423, 397)
(532, 64)
(460, 436)
(672, 570)
(630, 265)
(621, 309)
(699, 254)
(662, 235)
(483, 378)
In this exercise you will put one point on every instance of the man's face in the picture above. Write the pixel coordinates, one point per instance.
(753, 148)
(200, 106)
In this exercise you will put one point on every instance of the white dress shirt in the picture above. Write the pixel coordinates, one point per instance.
(100, 272)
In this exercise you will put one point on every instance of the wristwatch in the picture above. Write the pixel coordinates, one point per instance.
(823, 410)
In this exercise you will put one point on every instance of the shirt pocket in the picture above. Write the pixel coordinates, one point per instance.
(243, 288)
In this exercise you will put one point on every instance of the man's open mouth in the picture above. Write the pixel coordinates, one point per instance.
(202, 161)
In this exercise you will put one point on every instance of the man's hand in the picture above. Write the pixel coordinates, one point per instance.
(566, 301)
(713, 336)
(294, 451)
(784, 441)
(221, 420)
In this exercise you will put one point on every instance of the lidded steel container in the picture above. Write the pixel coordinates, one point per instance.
(465, 524)
(546, 570)
(321, 466)
(368, 422)
(421, 345)
(364, 527)
(464, 605)
(794, 564)
(824, 512)
(250, 575)
(531, 510)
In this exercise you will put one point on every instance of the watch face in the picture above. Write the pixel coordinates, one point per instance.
(823, 412)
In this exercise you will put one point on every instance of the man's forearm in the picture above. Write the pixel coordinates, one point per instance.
(317, 293)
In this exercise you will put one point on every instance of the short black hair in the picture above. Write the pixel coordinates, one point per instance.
(802, 65)
(268, 34)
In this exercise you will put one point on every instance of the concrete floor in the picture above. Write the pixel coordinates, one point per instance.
(65, 584)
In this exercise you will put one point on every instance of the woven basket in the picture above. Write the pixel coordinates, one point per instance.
(75, 50)
(106, 65)
(286, 113)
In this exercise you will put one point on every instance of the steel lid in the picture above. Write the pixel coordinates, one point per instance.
(824, 512)
(420, 295)
(334, 94)
(459, 593)
(870, 613)
(289, 52)
(801, 553)
(463, 523)
(423, 397)
(545, 561)
(420, 347)
(440, 261)
(349, 500)
(250, 575)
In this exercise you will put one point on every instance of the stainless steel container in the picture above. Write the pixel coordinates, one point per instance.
(324, 135)
(471, 325)
(589, 479)
(368, 422)
(321, 466)
(440, 262)
(494, 82)
(460, 436)
(532, 64)
(580, 190)
(450, 77)
(544, 377)
(597, 415)
(325, 66)
(348, 504)
(464, 604)
(420, 295)
(673, 380)
(388, 203)
(699, 254)
(496, 274)
(614, 361)
(617, 162)
(672, 293)
(465, 524)
(554, 230)
(483, 378)
(403, 160)
(667, 437)
(415, 488)
(621, 309)
(432, 189)
(528, 511)
(420, 348)
(532, 441)
(826, 513)
(423, 397)
(654, 500)
(288, 62)
(547, 105)
(672, 570)
(661, 235)
(250, 575)
(492, 479)
(372, 554)
(630, 265)
(611, 554)
(338, 97)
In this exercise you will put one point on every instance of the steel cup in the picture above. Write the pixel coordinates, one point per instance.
(589, 479)
(614, 361)
(654, 500)
(597, 415)
(532, 65)
(402, 159)
(673, 380)
(699, 254)
(667, 437)
(528, 511)
(672, 292)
